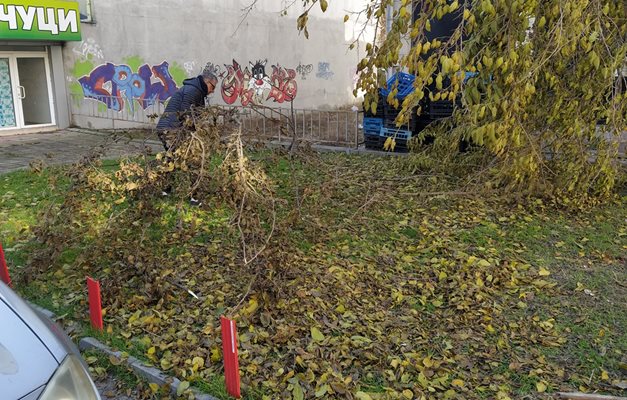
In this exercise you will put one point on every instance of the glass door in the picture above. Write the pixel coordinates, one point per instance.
(35, 93)
(26, 99)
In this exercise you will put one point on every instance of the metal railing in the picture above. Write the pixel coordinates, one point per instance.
(332, 127)
(327, 127)
(115, 109)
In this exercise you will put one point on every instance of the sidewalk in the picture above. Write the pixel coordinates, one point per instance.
(64, 147)
(69, 145)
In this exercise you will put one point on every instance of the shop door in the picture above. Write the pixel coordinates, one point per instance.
(25, 91)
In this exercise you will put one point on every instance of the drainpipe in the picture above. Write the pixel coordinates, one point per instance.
(388, 27)
(406, 39)
(388, 18)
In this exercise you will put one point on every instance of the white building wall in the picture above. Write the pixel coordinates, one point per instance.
(188, 34)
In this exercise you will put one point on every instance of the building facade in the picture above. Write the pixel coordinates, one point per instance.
(97, 62)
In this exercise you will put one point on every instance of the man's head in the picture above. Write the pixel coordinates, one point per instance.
(210, 78)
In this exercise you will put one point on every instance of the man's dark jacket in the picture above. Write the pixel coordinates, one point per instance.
(192, 93)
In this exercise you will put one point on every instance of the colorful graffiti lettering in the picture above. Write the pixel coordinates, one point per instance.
(324, 71)
(283, 83)
(304, 70)
(113, 84)
(254, 86)
(119, 87)
(233, 83)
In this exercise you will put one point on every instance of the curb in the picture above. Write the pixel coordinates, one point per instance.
(42, 310)
(321, 148)
(150, 374)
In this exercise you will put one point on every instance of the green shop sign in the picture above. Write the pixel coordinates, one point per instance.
(40, 20)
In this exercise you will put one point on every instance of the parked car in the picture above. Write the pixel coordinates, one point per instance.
(37, 359)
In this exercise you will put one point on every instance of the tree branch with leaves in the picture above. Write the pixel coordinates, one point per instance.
(537, 85)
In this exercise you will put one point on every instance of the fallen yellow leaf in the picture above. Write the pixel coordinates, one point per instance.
(362, 396)
(541, 387)
(215, 355)
(457, 383)
(316, 335)
(252, 307)
(483, 263)
(154, 387)
(182, 387)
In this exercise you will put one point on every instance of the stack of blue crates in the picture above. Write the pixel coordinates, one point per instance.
(401, 137)
(372, 131)
(372, 126)
(404, 82)
(396, 133)
(377, 128)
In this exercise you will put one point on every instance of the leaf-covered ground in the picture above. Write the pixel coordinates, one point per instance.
(379, 284)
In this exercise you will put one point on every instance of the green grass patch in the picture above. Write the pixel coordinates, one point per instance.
(479, 283)
(122, 372)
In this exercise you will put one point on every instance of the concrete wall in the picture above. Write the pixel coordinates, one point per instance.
(188, 34)
(59, 88)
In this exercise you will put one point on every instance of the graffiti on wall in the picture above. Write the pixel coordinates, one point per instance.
(259, 81)
(255, 86)
(212, 68)
(304, 70)
(89, 49)
(324, 71)
(189, 66)
(284, 87)
(122, 86)
(117, 85)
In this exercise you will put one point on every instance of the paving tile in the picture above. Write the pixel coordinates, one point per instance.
(61, 147)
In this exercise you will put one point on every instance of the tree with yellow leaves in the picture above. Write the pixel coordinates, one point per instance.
(547, 95)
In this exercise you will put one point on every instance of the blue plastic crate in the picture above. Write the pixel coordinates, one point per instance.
(373, 125)
(396, 133)
(469, 75)
(405, 85)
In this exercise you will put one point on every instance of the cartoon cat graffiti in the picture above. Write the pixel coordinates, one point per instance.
(254, 86)
(259, 81)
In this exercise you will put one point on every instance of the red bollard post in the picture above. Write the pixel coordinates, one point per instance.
(231, 363)
(95, 305)
(4, 269)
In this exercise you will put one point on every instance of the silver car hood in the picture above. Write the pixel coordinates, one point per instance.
(48, 332)
(26, 363)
